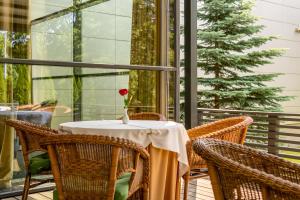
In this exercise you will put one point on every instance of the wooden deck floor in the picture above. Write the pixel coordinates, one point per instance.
(36, 196)
(200, 191)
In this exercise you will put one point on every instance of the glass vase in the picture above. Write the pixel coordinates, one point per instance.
(125, 118)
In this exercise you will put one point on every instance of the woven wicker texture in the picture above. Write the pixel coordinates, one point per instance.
(147, 116)
(231, 129)
(30, 136)
(239, 172)
(87, 166)
(50, 108)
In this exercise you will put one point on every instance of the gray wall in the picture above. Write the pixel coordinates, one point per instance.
(106, 38)
(281, 17)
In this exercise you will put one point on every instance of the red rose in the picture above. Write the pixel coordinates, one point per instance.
(123, 92)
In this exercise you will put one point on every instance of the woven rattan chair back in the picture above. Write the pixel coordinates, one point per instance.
(147, 116)
(231, 129)
(88, 166)
(30, 136)
(239, 172)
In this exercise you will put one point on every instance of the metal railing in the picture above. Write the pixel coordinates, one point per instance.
(277, 133)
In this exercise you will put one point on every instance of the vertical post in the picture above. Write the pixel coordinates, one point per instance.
(190, 70)
(190, 56)
(177, 59)
(164, 49)
(77, 51)
(273, 123)
(200, 117)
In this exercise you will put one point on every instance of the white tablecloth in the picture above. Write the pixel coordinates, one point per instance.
(5, 108)
(165, 135)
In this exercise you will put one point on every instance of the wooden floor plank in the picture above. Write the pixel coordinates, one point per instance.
(38, 196)
(48, 194)
(201, 191)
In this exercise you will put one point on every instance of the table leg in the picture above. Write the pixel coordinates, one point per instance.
(164, 170)
(178, 186)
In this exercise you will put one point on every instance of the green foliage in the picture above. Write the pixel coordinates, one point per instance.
(228, 41)
(22, 84)
(3, 89)
(144, 44)
(21, 73)
(3, 80)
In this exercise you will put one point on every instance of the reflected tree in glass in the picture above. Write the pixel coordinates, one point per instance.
(144, 51)
(21, 74)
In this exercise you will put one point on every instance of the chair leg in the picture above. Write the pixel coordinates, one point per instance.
(186, 185)
(26, 187)
(146, 194)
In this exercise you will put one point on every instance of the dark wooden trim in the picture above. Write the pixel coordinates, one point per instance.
(257, 138)
(190, 57)
(289, 156)
(265, 131)
(177, 59)
(248, 112)
(289, 149)
(82, 75)
(256, 145)
(288, 141)
(50, 63)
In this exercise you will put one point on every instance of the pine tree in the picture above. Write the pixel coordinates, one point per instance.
(228, 41)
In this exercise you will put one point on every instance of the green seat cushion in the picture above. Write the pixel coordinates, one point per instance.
(39, 163)
(122, 187)
(55, 194)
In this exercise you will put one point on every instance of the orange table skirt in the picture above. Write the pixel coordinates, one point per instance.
(164, 182)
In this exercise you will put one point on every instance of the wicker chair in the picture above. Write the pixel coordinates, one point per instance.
(147, 116)
(56, 108)
(48, 108)
(88, 166)
(47, 105)
(239, 172)
(232, 129)
(30, 136)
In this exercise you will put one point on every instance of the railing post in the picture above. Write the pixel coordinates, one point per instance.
(273, 128)
(200, 117)
(190, 59)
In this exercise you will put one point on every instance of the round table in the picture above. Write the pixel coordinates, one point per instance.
(5, 108)
(167, 147)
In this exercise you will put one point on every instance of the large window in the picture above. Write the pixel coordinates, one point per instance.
(111, 32)
(70, 58)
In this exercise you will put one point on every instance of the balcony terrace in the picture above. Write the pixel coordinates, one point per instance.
(275, 133)
(64, 62)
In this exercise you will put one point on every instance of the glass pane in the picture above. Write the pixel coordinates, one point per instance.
(93, 31)
(109, 31)
(91, 94)
(7, 112)
(49, 96)
(42, 8)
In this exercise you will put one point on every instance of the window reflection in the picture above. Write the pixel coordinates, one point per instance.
(124, 32)
(106, 31)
